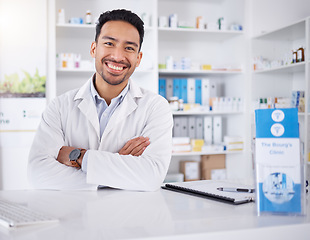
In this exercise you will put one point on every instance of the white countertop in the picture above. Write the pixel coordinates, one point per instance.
(119, 214)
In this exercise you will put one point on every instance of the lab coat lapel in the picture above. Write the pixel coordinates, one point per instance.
(125, 108)
(88, 108)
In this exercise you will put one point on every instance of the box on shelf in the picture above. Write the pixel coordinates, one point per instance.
(211, 162)
(181, 144)
(233, 143)
(191, 170)
(197, 144)
(174, 177)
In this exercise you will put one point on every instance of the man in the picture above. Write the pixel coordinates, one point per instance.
(109, 132)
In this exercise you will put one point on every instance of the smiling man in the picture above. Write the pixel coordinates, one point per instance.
(109, 132)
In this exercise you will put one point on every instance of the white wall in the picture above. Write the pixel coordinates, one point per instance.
(271, 14)
(23, 41)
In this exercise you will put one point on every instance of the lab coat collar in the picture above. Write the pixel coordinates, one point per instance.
(128, 106)
(84, 91)
(88, 107)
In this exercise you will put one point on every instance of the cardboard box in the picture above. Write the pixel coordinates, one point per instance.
(211, 162)
(191, 170)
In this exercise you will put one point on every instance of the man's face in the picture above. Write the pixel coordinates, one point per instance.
(116, 51)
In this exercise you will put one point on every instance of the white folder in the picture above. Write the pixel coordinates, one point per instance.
(217, 129)
(191, 90)
(208, 90)
(208, 130)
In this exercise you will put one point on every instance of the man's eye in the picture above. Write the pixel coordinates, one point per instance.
(130, 49)
(108, 44)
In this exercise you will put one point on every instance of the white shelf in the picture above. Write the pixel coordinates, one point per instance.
(195, 113)
(198, 72)
(68, 25)
(76, 70)
(193, 30)
(68, 29)
(286, 33)
(214, 35)
(292, 68)
(205, 153)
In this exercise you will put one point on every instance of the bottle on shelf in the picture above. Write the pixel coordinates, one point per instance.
(294, 56)
(88, 17)
(61, 16)
(300, 54)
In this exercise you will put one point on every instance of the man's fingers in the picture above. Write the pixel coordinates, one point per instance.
(135, 146)
(139, 149)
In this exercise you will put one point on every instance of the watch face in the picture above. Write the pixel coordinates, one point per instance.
(75, 154)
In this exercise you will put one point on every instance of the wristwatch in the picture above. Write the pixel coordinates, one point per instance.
(74, 156)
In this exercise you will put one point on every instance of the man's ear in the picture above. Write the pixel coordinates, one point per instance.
(139, 59)
(93, 49)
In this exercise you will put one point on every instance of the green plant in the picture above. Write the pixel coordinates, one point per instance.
(29, 84)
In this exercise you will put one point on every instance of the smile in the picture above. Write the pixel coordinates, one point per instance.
(114, 67)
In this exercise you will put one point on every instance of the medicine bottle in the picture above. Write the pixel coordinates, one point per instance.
(300, 54)
(61, 16)
(88, 17)
(294, 56)
(174, 103)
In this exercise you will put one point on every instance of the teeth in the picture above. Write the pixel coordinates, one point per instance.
(115, 67)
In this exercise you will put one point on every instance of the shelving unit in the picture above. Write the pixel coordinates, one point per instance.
(219, 48)
(205, 46)
(282, 80)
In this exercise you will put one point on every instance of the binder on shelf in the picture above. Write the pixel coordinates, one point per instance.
(177, 127)
(184, 126)
(198, 91)
(177, 88)
(208, 130)
(191, 90)
(183, 89)
(217, 129)
(208, 90)
(162, 87)
(192, 127)
(169, 88)
(199, 128)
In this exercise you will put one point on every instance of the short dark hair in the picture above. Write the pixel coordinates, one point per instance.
(121, 15)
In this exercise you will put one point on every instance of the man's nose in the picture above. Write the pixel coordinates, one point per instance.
(118, 54)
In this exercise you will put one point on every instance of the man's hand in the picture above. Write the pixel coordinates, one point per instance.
(135, 146)
(63, 156)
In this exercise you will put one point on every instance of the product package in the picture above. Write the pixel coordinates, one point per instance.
(279, 165)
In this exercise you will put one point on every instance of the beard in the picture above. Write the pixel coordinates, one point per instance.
(108, 79)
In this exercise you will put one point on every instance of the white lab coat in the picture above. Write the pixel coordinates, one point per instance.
(71, 120)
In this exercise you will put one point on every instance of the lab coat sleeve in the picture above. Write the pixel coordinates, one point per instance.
(44, 171)
(146, 172)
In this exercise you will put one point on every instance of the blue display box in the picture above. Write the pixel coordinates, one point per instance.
(278, 162)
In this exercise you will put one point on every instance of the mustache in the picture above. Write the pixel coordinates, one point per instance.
(128, 65)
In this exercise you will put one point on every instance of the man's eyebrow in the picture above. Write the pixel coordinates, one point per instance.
(110, 38)
(114, 39)
(132, 43)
